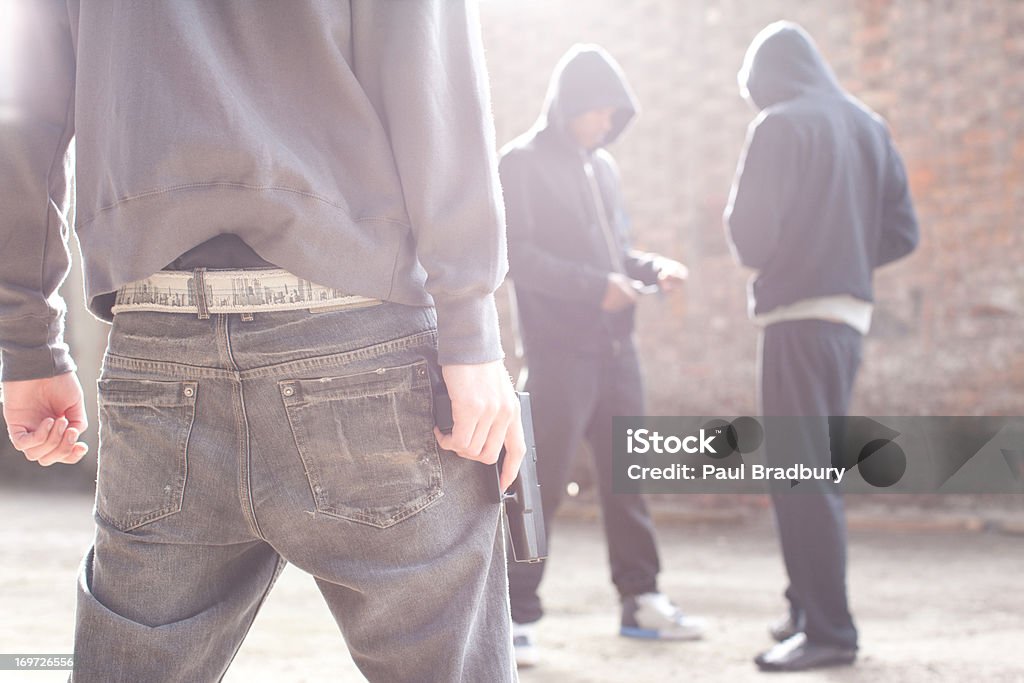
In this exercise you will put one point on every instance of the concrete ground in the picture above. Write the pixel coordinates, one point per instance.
(934, 605)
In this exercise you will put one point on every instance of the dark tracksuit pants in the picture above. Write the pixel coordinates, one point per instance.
(574, 396)
(808, 367)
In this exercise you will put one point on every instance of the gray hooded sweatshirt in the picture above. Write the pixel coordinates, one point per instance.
(559, 257)
(347, 141)
(820, 197)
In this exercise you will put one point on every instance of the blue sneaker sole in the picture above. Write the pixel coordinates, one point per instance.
(637, 632)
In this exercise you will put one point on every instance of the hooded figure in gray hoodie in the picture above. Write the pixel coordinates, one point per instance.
(576, 283)
(819, 201)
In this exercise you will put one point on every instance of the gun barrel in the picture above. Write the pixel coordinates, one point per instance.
(523, 508)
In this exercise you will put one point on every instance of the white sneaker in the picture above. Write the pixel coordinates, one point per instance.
(525, 645)
(655, 617)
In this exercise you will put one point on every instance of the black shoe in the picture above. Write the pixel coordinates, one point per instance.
(796, 654)
(784, 629)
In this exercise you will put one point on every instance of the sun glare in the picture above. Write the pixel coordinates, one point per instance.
(8, 28)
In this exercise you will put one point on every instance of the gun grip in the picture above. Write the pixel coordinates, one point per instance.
(523, 510)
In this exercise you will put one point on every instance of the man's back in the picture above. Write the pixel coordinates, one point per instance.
(821, 198)
(303, 128)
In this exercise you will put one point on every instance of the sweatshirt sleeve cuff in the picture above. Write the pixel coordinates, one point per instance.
(467, 331)
(19, 360)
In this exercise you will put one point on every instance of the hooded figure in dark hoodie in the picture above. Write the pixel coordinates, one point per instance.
(819, 201)
(576, 283)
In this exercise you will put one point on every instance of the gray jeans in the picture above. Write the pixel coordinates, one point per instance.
(229, 447)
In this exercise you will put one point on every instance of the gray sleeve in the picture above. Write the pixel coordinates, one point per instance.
(638, 265)
(899, 231)
(35, 192)
(422, 64)
(760, 192)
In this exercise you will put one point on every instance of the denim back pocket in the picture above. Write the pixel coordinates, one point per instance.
(144, 432)
(367, 443)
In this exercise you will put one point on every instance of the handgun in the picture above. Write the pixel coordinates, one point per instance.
(523, 510)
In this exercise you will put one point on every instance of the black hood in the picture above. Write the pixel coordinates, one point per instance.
(587, 78)
(783, 63)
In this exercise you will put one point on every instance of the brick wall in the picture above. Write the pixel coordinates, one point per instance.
(948, 76)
